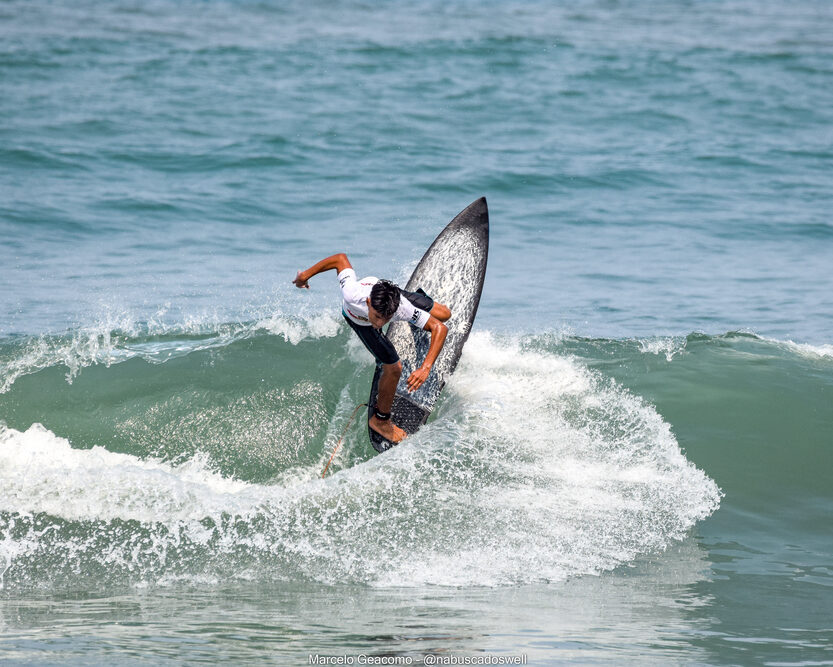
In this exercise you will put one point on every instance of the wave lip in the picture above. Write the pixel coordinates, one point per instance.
(805, 349)
(117, 339)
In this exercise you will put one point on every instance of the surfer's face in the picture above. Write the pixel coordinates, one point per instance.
(376, 319)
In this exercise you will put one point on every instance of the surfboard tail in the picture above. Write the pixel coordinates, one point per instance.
(406, 415)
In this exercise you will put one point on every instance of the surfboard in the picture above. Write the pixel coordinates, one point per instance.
(451, 272)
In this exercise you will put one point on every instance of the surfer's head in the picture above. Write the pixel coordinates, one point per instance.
(384, 300)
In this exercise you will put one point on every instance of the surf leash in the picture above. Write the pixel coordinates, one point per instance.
(341, 439)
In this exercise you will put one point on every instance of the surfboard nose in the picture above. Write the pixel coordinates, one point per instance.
(479, 207)
(476, 213)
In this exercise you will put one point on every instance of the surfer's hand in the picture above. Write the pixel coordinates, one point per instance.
(300, 281)
(418, 377)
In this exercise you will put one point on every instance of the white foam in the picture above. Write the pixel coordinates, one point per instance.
(41, 472)
(575, 475)
(295, 330)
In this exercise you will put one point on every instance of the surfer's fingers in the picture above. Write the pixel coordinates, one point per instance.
(415, 381)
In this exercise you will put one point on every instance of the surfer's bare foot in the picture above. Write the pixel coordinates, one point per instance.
(387, 429)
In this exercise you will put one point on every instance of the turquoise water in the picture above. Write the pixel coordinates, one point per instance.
(632, 462)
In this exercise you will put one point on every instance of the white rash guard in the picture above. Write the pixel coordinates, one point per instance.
(355, 294)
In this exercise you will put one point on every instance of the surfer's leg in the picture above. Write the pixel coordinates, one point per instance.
(385, 353)
(387, 385)
(384, 401)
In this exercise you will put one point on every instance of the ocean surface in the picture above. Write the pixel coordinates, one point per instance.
(633, 463)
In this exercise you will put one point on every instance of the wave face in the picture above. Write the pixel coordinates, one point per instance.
(181, 454)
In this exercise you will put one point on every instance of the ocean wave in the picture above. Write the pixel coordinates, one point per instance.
(534, 468)
(119, 337)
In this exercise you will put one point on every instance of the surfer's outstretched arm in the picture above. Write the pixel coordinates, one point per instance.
(438, 332)
(338, 262)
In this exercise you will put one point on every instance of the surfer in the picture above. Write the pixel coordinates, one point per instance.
(368, 305)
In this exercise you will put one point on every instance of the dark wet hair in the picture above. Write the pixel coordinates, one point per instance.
(384, 297)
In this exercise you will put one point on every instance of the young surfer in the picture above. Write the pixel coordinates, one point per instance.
(368, 305)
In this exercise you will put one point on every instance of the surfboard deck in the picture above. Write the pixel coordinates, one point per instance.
(451, 272)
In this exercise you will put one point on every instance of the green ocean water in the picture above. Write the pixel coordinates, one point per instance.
(631, 464)
(559, 473)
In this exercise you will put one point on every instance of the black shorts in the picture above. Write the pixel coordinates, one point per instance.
(376, 341)
(419, 298)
